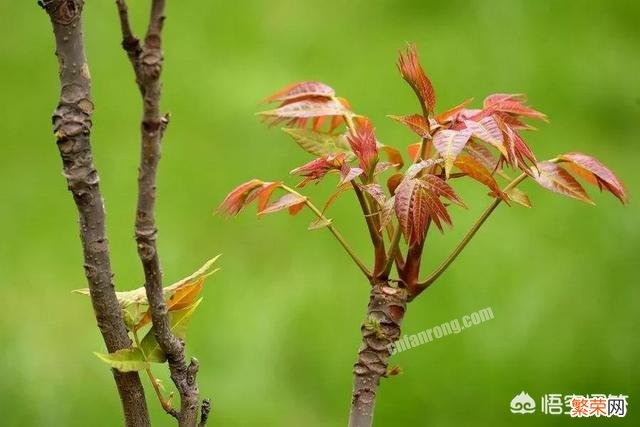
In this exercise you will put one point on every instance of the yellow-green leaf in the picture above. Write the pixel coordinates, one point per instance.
(519, 197)
(319, 143)
(125, 360)
(178, 322)
(139, 295)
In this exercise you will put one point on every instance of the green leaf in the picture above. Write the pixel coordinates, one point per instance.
(318, 143)
(125, 360)
(178, 322)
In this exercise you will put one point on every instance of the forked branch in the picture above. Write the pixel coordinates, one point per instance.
(72, 127)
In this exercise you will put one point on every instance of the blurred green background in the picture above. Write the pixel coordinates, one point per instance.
(279, 328)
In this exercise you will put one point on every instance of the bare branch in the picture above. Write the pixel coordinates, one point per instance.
(147, 63)
(72, 127)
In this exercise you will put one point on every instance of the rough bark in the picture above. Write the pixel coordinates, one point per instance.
(72, 127)
(380, 329)
(146, 59)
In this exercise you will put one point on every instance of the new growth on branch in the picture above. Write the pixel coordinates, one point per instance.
(482, 144)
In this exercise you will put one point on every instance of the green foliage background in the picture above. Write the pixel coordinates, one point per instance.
(278, 330)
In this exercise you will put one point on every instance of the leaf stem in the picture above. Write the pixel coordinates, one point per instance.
(166, 403)
(465, 240)
(393, 249)
(333, 231)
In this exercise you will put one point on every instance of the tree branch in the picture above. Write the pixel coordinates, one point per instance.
(147, 65)
(72, 127)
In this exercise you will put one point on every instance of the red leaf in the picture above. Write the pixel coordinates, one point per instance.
(552, 177)
(416, 168)
(512, 104)
(375, 190)
(284, 202)
(348, 174)
(412, 73)
(441, 188)
(518, 152)
(294, 209)
(394, 156)
(386, 211)
(487, 129)
(414, 150)
(363, 145)
(482, 155)
(236, 199)
(300, 111)
(596, 173)
(263, 194)
(451, 113)
(316, 169)
(301, 90)
(478, 172)
(393, 181)
(496, 98)
(415, 122)
(415, 203)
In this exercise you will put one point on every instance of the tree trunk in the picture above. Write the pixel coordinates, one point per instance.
(380, 329)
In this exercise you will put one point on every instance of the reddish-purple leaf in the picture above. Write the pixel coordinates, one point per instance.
(299, 111)
(512, 104)
(437, 211)
(449, 143)
(316, 169)
(487, 129)
(452, 113)
(441, 188)
(412, 73)
(236, 199)
(415, 203)
(382, 167)
(301, 90)
(284, 202)
(348, 174)
(596, 173)
(552, 177)
(410, 208)
(416, 168)
(415, 122)
(376, 191)
(496, 98)
(364, 146)
(386, 212)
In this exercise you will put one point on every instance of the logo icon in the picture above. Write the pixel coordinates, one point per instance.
(523, 404)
